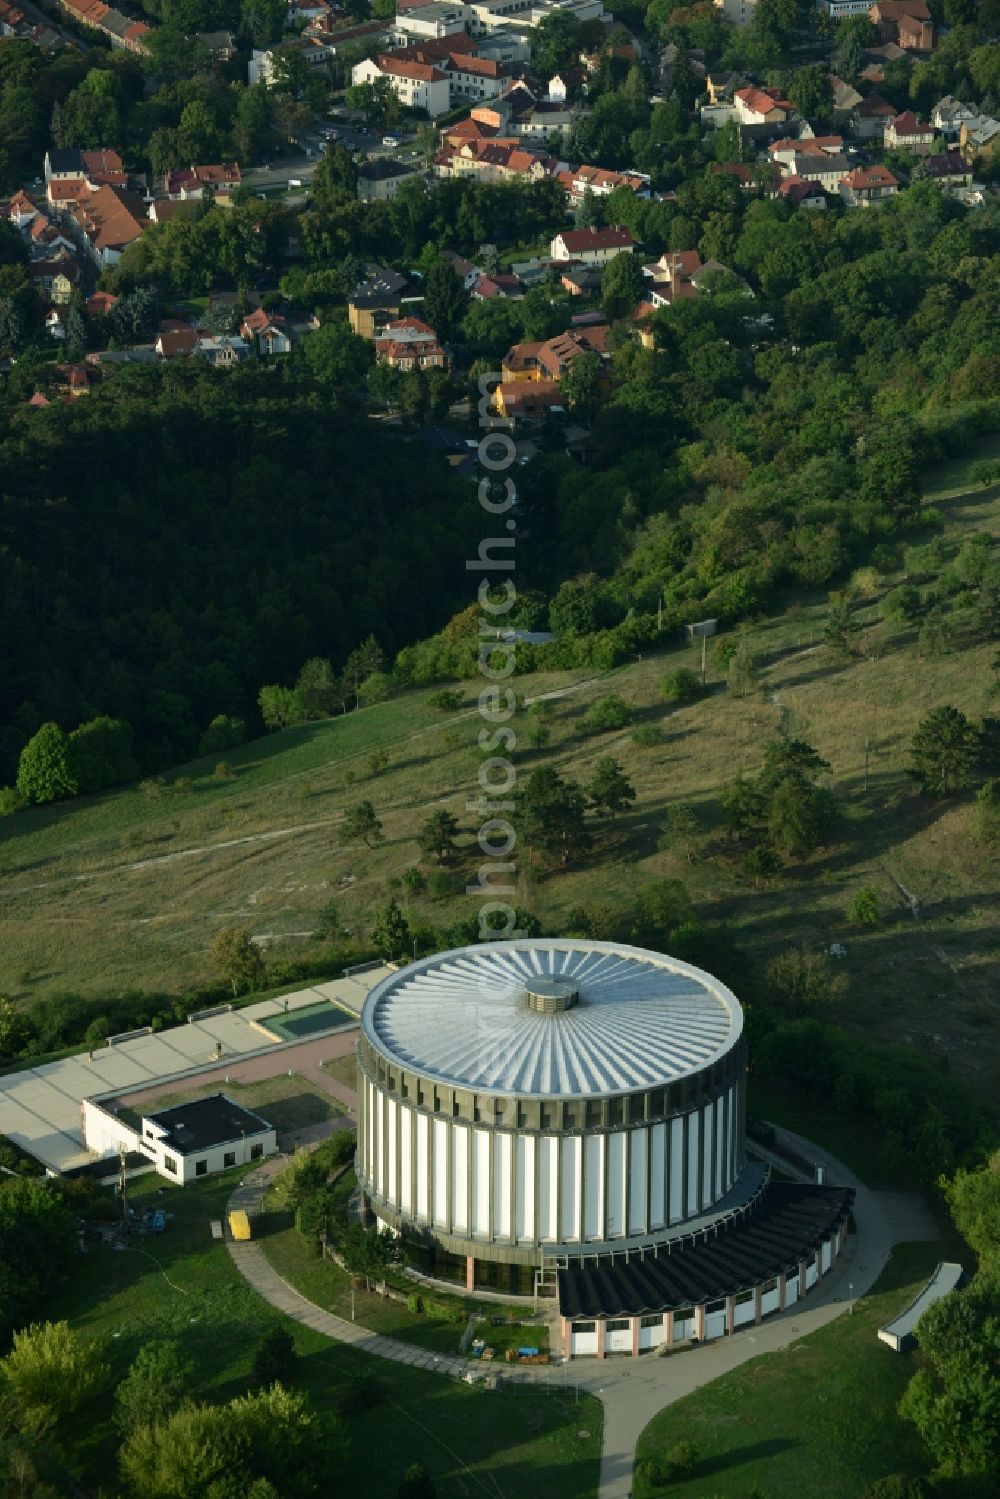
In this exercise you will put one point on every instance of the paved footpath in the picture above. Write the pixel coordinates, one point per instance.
(632, 1391)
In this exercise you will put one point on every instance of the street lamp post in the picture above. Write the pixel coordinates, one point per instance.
(850, 1298)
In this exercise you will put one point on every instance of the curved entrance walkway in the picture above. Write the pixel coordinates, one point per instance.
(632, 1391)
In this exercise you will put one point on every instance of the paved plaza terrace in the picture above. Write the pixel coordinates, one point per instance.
(41, 1107)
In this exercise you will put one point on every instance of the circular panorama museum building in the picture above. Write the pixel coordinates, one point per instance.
(557, 1115)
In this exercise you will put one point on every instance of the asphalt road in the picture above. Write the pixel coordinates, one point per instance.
(300, 167)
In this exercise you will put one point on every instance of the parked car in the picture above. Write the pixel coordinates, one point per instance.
(295, 182)
(390, 140)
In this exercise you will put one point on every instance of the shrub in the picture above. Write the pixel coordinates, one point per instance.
(865, 582)
(445, 701)
(609, 713)
(724, 648)
(11, 800)
(902, 603)
(761, 864)
(802, 980)
(416, 1484)
(863, 909)
(441, 883)
(182, 785)
(451, 1312)
(275, 1358)
(988, 814)
(681, 1459)
(152, 788)
(680, 686)
(361, 1394)
(222, 733)
(224, 771)
(413, 880)
(647, 735)
(415, 1303)
(651, 1471)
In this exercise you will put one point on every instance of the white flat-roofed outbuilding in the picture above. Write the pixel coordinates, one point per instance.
(42, 1108)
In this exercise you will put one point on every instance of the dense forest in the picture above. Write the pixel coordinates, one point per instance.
(182, 536)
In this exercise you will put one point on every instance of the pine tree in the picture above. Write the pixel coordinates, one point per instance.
(553, 815)
(611, 790)
(945, 751)
(437, 835)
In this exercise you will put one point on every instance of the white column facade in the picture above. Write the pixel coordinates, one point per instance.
(524, 1188)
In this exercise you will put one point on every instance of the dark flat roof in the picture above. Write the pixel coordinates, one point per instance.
(382, 168)
(206, 1122)
(792, 1221)
(65, 160)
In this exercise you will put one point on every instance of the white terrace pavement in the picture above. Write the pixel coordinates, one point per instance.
(634, 1390)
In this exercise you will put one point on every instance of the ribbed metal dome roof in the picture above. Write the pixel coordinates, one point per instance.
(635, 1019)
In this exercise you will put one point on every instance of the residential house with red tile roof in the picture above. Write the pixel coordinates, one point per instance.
(100, 304)
(268, 331)
(904, 132)
(107, 222)
(179, 343)
(868, 187)
(802, 192)
(528, 402)
(551, 358)
(908, 23)
(408, 344)
(190, 182)
(592, 246)
(761, 106)
(417, 85)
(21, 211)
(121, 31)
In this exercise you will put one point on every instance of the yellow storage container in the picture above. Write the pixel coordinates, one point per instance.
(239, 1224)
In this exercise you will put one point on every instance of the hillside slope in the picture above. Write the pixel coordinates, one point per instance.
(123, 892)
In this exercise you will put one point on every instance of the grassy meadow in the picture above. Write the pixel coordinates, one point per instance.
(813, 1421)
(122, 892)
(183, 1284)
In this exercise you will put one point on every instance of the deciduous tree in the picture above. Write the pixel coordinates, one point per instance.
(159, 1379)
(362, 826)
(38, 1243)
(51, 1371)
(45, 770)
(237, 959)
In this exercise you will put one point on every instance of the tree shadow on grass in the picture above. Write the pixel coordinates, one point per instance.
(737, 1457)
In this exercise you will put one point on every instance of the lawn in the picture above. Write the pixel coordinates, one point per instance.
(184, 1285)
(344, 1069)
(817, 1421)
(325, 1283)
